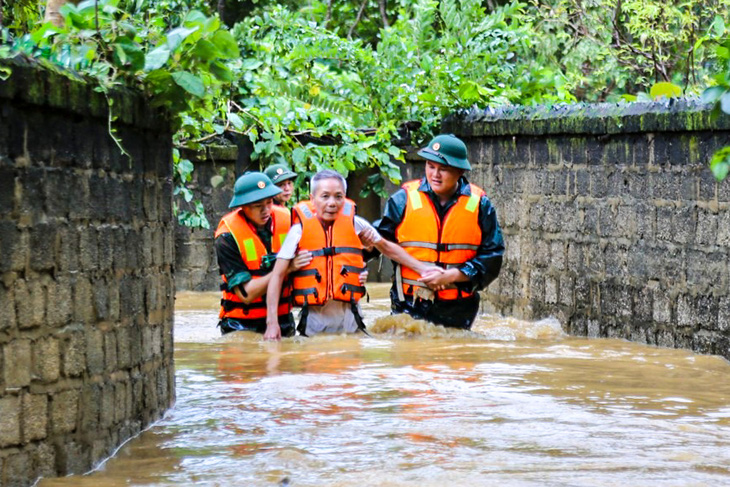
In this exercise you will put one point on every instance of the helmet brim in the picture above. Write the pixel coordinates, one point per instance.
(285, 176)
(254, 196)
(444, 159)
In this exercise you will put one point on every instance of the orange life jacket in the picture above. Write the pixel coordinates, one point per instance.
(252, 251)
(334, 272)
(447, 243)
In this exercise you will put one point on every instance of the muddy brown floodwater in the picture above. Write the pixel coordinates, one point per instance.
(511, 403)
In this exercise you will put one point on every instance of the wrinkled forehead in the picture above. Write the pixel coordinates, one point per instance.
(330, 185)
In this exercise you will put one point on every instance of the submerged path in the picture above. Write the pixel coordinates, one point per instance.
(511, 403)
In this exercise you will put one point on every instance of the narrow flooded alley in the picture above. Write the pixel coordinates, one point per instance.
(510, 403)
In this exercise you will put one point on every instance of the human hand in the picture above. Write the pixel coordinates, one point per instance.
(437, 281)
(363, 277)
(273, 331)
(302, 259)
(429, 269)
(368, 237)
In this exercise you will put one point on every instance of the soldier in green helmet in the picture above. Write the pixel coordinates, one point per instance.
(443, 219)
(284, 178)
(246, 243)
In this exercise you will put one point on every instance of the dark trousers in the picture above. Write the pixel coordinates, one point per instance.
(459, 313)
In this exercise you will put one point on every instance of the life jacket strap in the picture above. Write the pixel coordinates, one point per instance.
(358, 319)
(352, 289)
(331, 251)
(306, 292)
(443, 247)
(229, 305)
(346, 269)
(302, 326)
(308, 272)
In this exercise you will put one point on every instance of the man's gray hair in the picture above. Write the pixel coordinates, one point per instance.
(327, 174)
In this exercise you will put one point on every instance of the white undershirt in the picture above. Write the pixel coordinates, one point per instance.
(334, 316)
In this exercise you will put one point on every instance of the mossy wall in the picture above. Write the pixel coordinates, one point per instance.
(86, 274)
(613, 221)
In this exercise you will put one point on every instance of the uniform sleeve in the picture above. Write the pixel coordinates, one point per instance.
(291, 242)
(485, 267)
(395, 207)
(230, 262)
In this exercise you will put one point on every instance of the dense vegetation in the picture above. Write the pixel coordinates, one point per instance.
(337, 83)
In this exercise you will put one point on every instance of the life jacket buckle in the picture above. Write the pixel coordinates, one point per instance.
(328, 251)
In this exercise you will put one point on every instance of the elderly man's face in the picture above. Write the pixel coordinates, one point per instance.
(259, 212)
(328, 199)
(442, 178)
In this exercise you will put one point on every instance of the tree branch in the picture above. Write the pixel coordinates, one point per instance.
(329, 12)
(357, 19)
(383, 14)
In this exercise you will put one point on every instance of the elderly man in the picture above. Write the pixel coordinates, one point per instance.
(328, 286)
(444, 220)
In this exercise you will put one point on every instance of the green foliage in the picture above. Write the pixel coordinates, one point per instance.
(719, 95)
(609, 47)
(183, 69)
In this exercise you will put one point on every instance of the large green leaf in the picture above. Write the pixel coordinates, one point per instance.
(176, 36)
(156, 58)
(226, 44)
(669, 90)
(189, 82)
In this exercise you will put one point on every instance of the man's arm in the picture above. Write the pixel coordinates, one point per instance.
(276, 279)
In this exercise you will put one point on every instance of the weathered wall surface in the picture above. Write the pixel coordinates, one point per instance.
(196, 267)
(613, 221)
(86, 286)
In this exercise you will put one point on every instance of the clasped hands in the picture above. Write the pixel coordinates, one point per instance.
(436, 278)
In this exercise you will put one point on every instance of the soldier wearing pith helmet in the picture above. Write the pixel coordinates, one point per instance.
(444, 219)
(246, 243)
(283, 177)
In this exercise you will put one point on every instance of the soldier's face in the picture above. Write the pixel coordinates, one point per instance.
(328, 199)
(442, 178)
(259, 212)
(287, 189)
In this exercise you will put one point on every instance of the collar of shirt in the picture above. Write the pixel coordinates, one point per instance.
(462, 189)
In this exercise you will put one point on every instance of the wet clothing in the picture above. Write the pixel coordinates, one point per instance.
(334, 316)
(246, 252)
(481, 269)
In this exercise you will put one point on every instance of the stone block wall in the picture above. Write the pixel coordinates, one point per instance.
(86, 284)
(613, 221)
(196, 267)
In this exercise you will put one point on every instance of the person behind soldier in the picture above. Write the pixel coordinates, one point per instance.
(283, 177)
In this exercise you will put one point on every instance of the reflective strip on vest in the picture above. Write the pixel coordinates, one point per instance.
(250, 249)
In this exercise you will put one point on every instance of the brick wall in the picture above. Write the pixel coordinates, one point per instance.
(86, 286)
(612, 219)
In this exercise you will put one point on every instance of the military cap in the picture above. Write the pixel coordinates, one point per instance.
(446, 149)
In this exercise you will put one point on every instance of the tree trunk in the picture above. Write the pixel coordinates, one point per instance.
(52, 11)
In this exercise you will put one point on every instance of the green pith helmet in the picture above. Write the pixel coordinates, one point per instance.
(280, 173)
(253, 187)
(446, 149)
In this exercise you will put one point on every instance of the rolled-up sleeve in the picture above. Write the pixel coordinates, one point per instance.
(485, 267)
